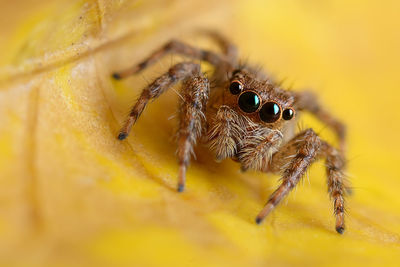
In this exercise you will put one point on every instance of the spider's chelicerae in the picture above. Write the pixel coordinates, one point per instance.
(245, 116)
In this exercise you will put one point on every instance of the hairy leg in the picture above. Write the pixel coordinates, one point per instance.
(306, 146)
(308, 101)
(175, 74)
(228, 49)
(335, 163)
(195, 92)
(177, 47)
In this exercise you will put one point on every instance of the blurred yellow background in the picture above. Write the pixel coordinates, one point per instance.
(71, 194)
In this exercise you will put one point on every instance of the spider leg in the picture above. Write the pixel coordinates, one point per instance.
(308, 101)
(229, 49)
(297, 155)
(306, 146)
(177, 47)
(335, 164)
(195, 92)
(175, 74)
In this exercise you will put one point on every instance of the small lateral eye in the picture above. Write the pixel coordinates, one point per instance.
(235, 88)
(288, 114)
(270, 112)
(249, 102)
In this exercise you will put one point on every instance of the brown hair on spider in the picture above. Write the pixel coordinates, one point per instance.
(245, 117)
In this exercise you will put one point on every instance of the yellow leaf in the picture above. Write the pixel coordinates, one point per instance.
(72, 194)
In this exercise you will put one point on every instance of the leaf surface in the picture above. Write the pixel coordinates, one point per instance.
(72, 194)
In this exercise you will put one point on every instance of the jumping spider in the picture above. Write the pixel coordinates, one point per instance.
(247, 117)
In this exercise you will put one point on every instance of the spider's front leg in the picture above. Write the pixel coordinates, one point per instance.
(195, 92)
(294, 158)
(307, 144)
(175, 74)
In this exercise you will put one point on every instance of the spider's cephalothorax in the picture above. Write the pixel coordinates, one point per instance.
(246, 117)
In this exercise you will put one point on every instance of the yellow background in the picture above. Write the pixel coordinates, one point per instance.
(71, 194)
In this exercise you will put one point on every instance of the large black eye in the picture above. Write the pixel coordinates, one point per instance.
(249, 102)
(270, 112)
(287, 114)
(235, 88)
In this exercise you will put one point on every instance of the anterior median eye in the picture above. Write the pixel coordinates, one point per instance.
(249, 102)
(235, 88)
(270, 112)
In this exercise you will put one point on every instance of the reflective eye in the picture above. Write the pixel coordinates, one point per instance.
(235, 88)
(270, 112)
(287, 114)
(249, 102)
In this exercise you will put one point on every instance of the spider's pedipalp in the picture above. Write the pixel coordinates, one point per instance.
(226, 132)
(258, 148)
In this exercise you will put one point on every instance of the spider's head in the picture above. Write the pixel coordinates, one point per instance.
(260, 100)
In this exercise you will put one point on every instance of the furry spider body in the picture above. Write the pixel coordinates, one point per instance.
(246, 117)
